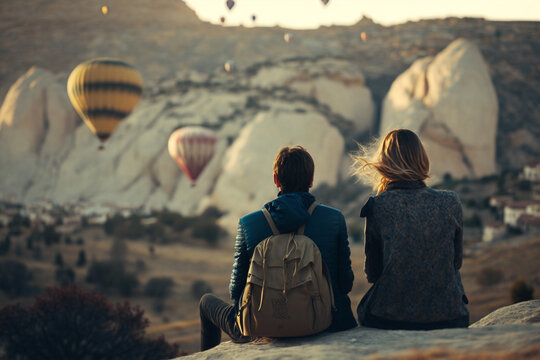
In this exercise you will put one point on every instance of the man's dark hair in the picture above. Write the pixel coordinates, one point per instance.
(294, 168)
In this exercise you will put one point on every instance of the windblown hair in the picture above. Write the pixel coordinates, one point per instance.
(399, 156)
(294, 168)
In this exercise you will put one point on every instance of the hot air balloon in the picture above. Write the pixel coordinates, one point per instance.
(253, 17)
(363, 36)
(103, 92)
(192, 147)
(230, 4)
(104, 9)
(230, 66)
(325, 2)
(288, 37)
(222, 19)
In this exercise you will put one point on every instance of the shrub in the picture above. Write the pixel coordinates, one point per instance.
(5, 245)
(489, 276)
(68, 240)
(80, 241)
(14, 277)
(159, 287)
(521, 291)
(140, 265)
(356, 233)
(207, 229)
(81, 260)
(111, 275)
(199, 288)
(118, 251)
(50, 235)
(37, 253)
(71, 323)
(58, 260)
(18, 221)
(524, 185)
(473, 221)
(64, 276)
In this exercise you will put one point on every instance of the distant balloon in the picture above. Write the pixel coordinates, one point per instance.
(104, 9)
(192, 147)
(253, 18)
(222, 19)
(363, 36)
(103, 92)
(325, 2)
(230, 4)
(230, 66)
(288, 37)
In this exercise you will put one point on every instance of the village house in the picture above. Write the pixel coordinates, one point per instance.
(531, 171)
(512, 212)
(493, 231)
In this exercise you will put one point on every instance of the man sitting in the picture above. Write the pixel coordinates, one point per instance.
(293, 176)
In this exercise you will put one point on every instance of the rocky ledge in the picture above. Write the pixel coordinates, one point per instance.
(511, 332)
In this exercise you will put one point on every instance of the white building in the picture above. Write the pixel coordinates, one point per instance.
(533, 209)
(493, 230)
(513, 211)
(531, 171)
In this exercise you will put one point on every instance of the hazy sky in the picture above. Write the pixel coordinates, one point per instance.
(312, 13)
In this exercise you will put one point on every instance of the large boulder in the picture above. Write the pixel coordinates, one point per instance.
(36, 123)
(338, 84)
(526, 312)
(515, 338)
(246, 183)
(450, 102)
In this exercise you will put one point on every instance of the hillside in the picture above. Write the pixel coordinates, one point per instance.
(165, 37)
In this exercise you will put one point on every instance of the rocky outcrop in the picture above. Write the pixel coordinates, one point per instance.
(51, 155)
(246, 182)
(526, 312)
(364, 342)
(450, 101)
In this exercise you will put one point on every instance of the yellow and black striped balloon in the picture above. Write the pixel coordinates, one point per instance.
(103, 92)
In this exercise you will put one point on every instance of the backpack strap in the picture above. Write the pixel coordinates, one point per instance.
(270, 221)
(310, 211)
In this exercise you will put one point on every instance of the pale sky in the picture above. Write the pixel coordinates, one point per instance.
(312, 13)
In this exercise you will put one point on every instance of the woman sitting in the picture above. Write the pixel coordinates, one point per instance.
(413, 242)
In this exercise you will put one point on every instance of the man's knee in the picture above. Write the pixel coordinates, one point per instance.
(204, 300)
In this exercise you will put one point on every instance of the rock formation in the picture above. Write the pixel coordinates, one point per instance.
(51, 155)
(450, 101)
(498, 338)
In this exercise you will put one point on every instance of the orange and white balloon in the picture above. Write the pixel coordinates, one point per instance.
(363, 36)
(288, 37)
(192, 147)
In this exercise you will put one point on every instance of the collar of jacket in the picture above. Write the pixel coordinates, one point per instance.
(402, 184)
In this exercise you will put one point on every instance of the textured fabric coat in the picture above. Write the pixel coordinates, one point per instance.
(413, 245)
(326, 227)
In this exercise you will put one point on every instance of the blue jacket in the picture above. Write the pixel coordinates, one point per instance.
(326, 227)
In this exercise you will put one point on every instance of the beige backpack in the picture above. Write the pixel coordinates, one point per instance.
(288, 290)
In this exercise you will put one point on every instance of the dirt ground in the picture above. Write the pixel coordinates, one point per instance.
(187, 263)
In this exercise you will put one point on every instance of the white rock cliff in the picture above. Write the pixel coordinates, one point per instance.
(450, 102)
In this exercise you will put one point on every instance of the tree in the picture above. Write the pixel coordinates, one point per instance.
(59, 260)
(5, 245)
(118, 251)
(14, 277)
(110, 275)
(81, 260)
(64, 276)
(71, 323)
(159, 287)
(51, 236)
(521, 291)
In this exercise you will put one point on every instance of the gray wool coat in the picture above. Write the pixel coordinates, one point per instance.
(414, 250)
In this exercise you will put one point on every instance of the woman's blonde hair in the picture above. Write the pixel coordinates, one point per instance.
(399, 156)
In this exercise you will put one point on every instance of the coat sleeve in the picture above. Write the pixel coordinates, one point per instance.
(345, 273)
(458, 238)
(373, 264)
(240, 266)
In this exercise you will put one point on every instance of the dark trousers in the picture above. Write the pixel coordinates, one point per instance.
(217, 315)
